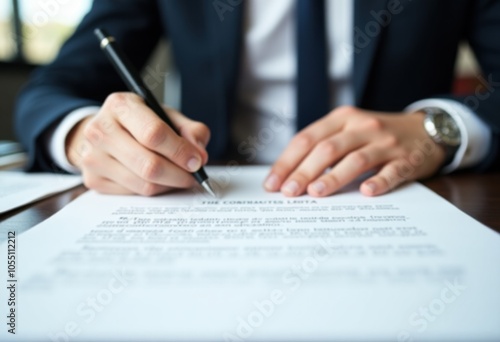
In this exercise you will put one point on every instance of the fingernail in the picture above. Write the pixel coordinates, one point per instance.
(271, 182)
(319, 187)
(291, 188)
(194, 164)
(371, 187)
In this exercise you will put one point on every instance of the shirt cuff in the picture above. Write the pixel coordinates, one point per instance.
(57, 140)
(475, 134)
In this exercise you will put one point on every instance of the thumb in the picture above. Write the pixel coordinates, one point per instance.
(195, 132)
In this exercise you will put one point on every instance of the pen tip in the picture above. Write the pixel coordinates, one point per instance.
(206, 185)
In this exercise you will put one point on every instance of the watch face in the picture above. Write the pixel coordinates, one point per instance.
(447, 129)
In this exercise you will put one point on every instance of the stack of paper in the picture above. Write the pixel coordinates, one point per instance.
(11, 155)
(254, 266)
(19, 188)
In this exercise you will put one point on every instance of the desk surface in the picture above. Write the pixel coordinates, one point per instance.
(477, 195)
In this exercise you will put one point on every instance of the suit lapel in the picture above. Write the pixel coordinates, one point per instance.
(367, 33)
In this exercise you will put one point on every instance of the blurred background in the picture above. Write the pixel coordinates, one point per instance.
(43, 26)
(32, 31)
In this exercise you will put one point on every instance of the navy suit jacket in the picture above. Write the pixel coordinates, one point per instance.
(395, 63)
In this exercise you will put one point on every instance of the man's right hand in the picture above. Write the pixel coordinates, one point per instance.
(126, 149)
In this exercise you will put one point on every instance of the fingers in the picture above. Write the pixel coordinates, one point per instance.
(195, 132)
(410, 166)
(325, 154)
(301, 145)
(126, 148)
(144, 163)
(106, 175)
(355, 141)
(151, 132)
(348, 169)
(389, 177)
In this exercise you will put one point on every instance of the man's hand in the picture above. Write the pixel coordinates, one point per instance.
(127, 149)
(353, 141)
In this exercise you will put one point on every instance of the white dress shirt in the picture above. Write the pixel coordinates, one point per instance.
(264, 117)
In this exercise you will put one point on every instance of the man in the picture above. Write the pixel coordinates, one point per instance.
(338, 72)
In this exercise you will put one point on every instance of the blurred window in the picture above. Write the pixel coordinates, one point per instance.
(43, 26)
(7, 41)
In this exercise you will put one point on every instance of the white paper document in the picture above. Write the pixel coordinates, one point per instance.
(19, 188)
(253, 266)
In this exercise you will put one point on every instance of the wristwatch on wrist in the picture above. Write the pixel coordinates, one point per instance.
(443, 130)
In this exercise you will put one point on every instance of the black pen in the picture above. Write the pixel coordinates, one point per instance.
(135, 84)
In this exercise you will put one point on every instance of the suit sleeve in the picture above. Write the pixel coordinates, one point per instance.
(483, 35)
(81, 76)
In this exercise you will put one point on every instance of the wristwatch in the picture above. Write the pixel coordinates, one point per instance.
(443, 130)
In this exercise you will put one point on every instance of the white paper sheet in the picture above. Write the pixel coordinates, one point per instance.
(19, 188)
(407, 266)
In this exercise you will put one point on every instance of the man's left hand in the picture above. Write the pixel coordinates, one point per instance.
(349, 142)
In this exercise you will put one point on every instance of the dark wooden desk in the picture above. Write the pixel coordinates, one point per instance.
(477, 195)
